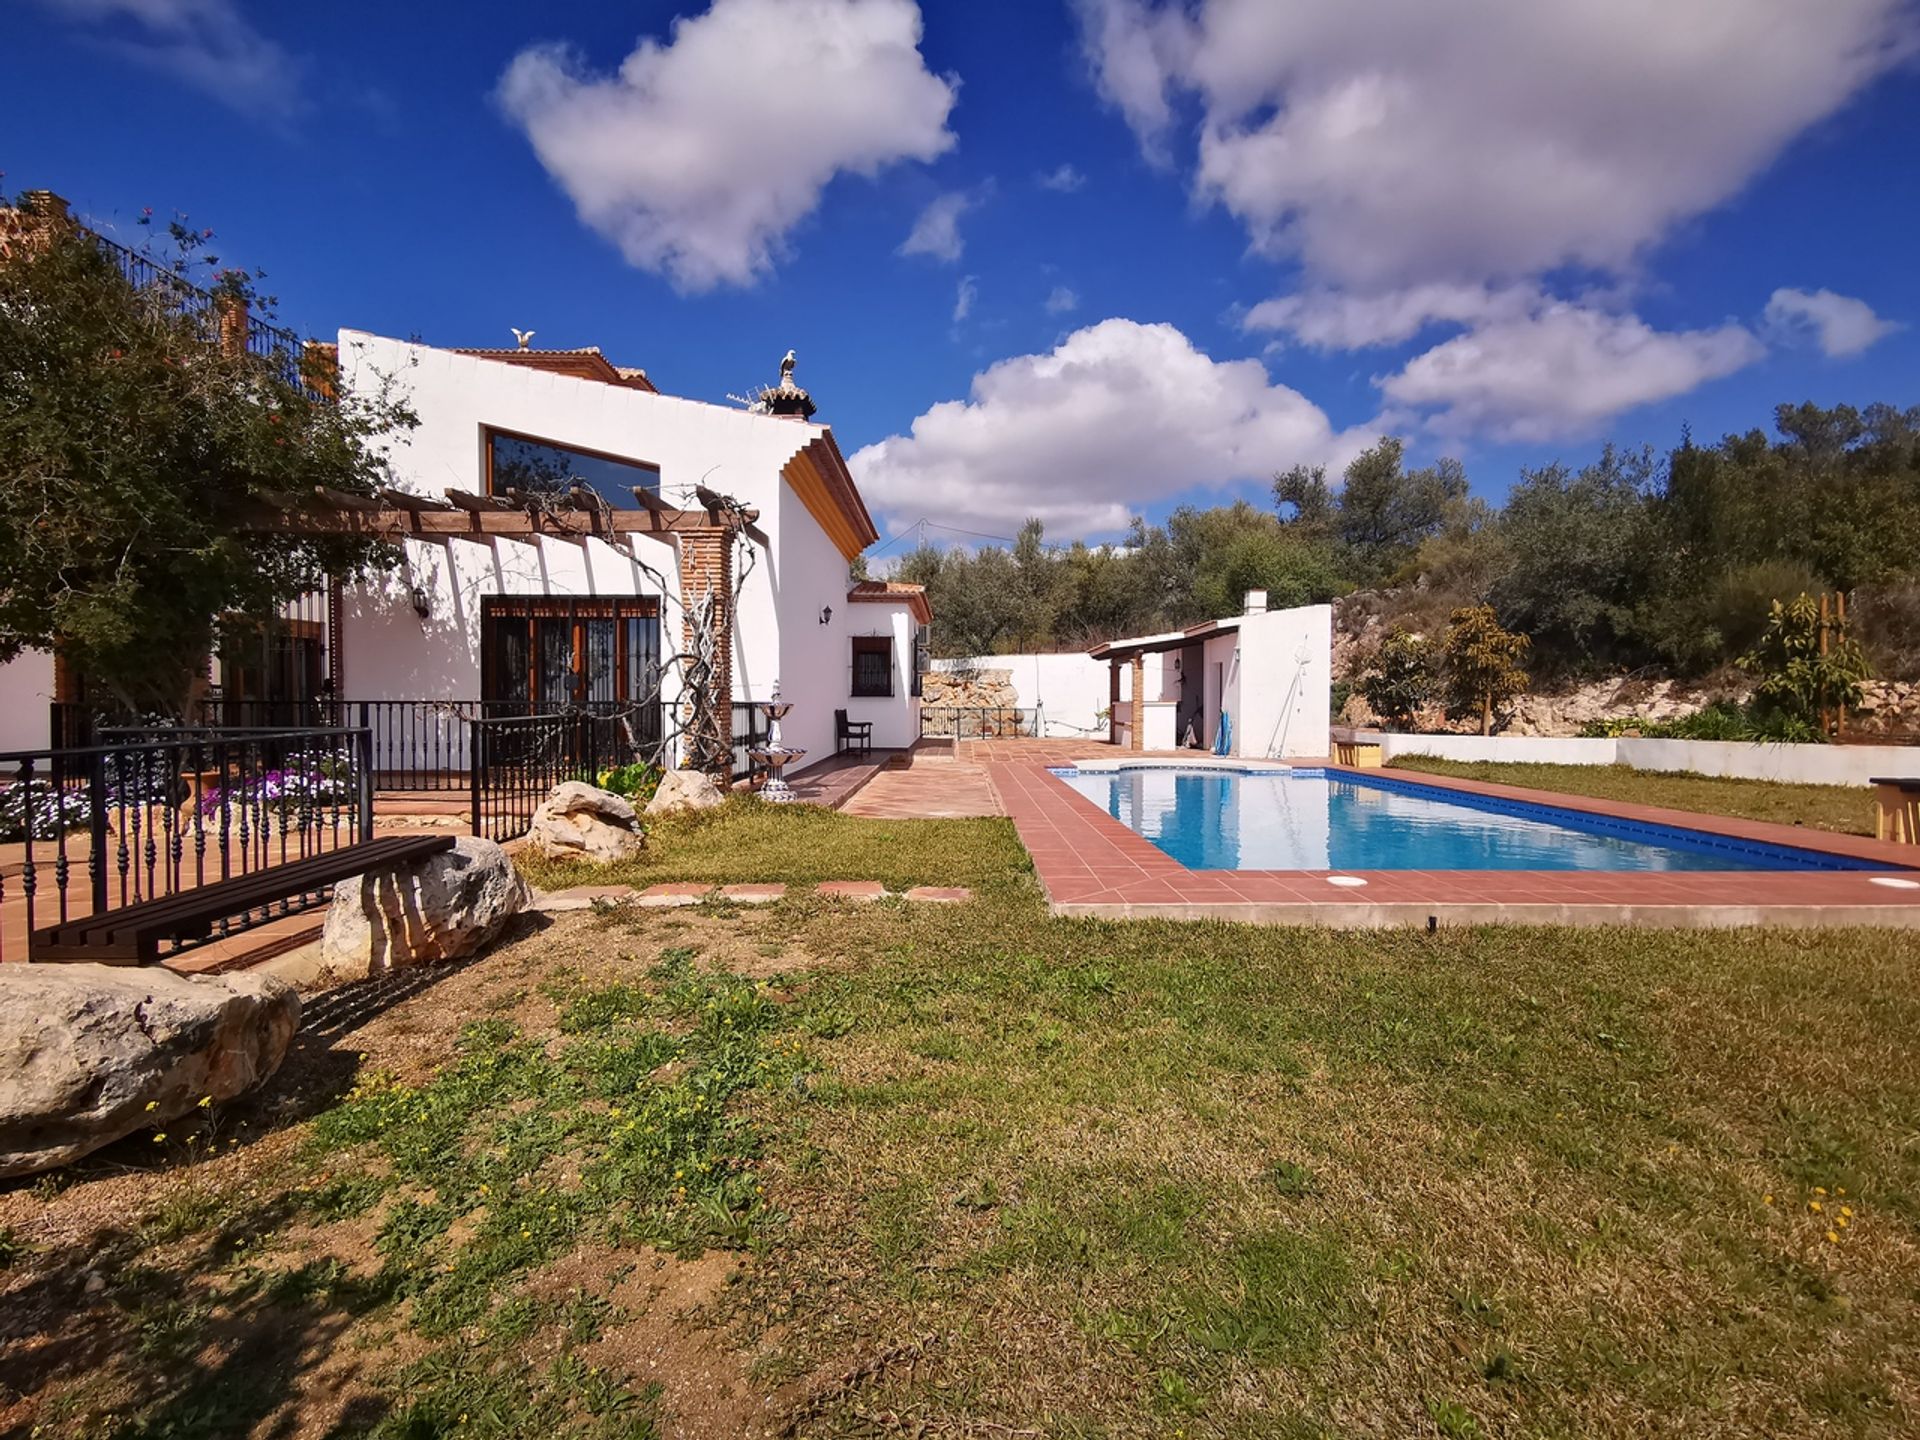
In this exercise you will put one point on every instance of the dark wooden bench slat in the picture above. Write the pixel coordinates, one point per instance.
(239, 892)
(132, 934)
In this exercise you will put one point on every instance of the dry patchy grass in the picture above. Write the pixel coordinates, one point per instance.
(1022, 1175)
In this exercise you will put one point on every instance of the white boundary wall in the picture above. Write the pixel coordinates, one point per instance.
(1733, 759)
(1071, 687)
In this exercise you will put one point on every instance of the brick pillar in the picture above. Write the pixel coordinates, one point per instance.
(230, 313)
(1139, 701)
(706, 567)
(38, 216)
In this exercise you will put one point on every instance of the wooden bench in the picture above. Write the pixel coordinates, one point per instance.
(132, 934)
(1896, 808)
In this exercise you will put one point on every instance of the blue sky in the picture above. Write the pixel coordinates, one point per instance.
(1189, 244)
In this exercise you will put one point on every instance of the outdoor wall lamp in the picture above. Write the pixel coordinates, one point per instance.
(421, 606)
(826, 614)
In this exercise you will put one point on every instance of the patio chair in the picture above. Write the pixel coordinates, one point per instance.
(849, 734)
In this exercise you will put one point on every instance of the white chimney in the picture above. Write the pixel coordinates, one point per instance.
(1256, 602)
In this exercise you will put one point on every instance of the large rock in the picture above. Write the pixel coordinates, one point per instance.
(92, 1053)
(682, 790)
(579, 821)
(441, 908)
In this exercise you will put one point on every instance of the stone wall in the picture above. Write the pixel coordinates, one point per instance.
(974, 687)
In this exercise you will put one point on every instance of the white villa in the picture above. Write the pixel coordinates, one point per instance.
(559, 621)
(589, 605)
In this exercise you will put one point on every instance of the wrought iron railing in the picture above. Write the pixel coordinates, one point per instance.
(147, 813)
(515, 760)
(976, 722)
(273, 343)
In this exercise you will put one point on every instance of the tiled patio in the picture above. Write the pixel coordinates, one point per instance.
(1090, 864)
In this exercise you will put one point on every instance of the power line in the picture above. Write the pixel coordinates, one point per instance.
(923, 525)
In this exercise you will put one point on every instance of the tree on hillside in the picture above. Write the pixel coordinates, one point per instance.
(1483, 664)
(1578, 557)
(1401, 677)
(1382, 513)
(135, 452)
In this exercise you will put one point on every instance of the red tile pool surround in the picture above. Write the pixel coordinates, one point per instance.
(1091, 864)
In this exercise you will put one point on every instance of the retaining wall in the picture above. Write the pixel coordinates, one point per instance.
(1735, 759)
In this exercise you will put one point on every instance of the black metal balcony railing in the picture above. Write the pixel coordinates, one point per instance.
(976, 722)
(275, 344)
(144, 814)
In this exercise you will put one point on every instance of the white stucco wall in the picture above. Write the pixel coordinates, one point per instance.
(1071, 687)
(1285, 669)
(1801, 764)
(1530, 749)
(390, 653)
(26, 690)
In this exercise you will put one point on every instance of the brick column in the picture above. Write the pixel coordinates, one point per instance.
(230, 315)
(706, 567)
(1139, 700)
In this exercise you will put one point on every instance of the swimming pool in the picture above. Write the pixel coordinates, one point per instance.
(1327, 820)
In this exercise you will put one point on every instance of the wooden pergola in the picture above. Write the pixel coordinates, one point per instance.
(581, 514)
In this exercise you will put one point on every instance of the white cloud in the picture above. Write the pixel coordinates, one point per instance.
(1062, 301)
(937, 231)
(1117, 416)
(1403, 142)
(964, 297)
(1839, 324)
(1562, 371)
(1065, 179)
(207, 44)
(1331, 319)
(699, 156)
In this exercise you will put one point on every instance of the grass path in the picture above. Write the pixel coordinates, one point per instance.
(824, 1169)
(1847, 809)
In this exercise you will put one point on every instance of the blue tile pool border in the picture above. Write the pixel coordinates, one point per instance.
(1591, 822)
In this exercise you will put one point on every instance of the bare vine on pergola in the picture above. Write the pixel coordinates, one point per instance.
(564, 508)
(697, 722)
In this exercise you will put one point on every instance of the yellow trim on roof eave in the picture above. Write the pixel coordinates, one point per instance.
(803, 474)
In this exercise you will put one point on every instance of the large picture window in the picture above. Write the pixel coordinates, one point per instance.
(872, 665)
(542, 467)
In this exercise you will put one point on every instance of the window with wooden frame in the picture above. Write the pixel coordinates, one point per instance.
(544, 653)
(873, 666)
(546, 467)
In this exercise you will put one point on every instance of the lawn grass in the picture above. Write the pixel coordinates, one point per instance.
(746, 840)
(1847, 809)
(976, 1171)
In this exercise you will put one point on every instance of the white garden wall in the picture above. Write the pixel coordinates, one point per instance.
(1071, 688)
(1285, 664)
(1510, 749)
(1743, 760)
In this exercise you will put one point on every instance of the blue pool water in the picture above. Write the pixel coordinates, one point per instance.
(1326, 820)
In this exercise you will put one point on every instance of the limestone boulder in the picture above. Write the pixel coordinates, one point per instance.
(579, 821)
(684, 790)
(444, 907)
(92, 1053)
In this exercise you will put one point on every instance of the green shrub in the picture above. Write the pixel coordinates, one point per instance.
(636, 782)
